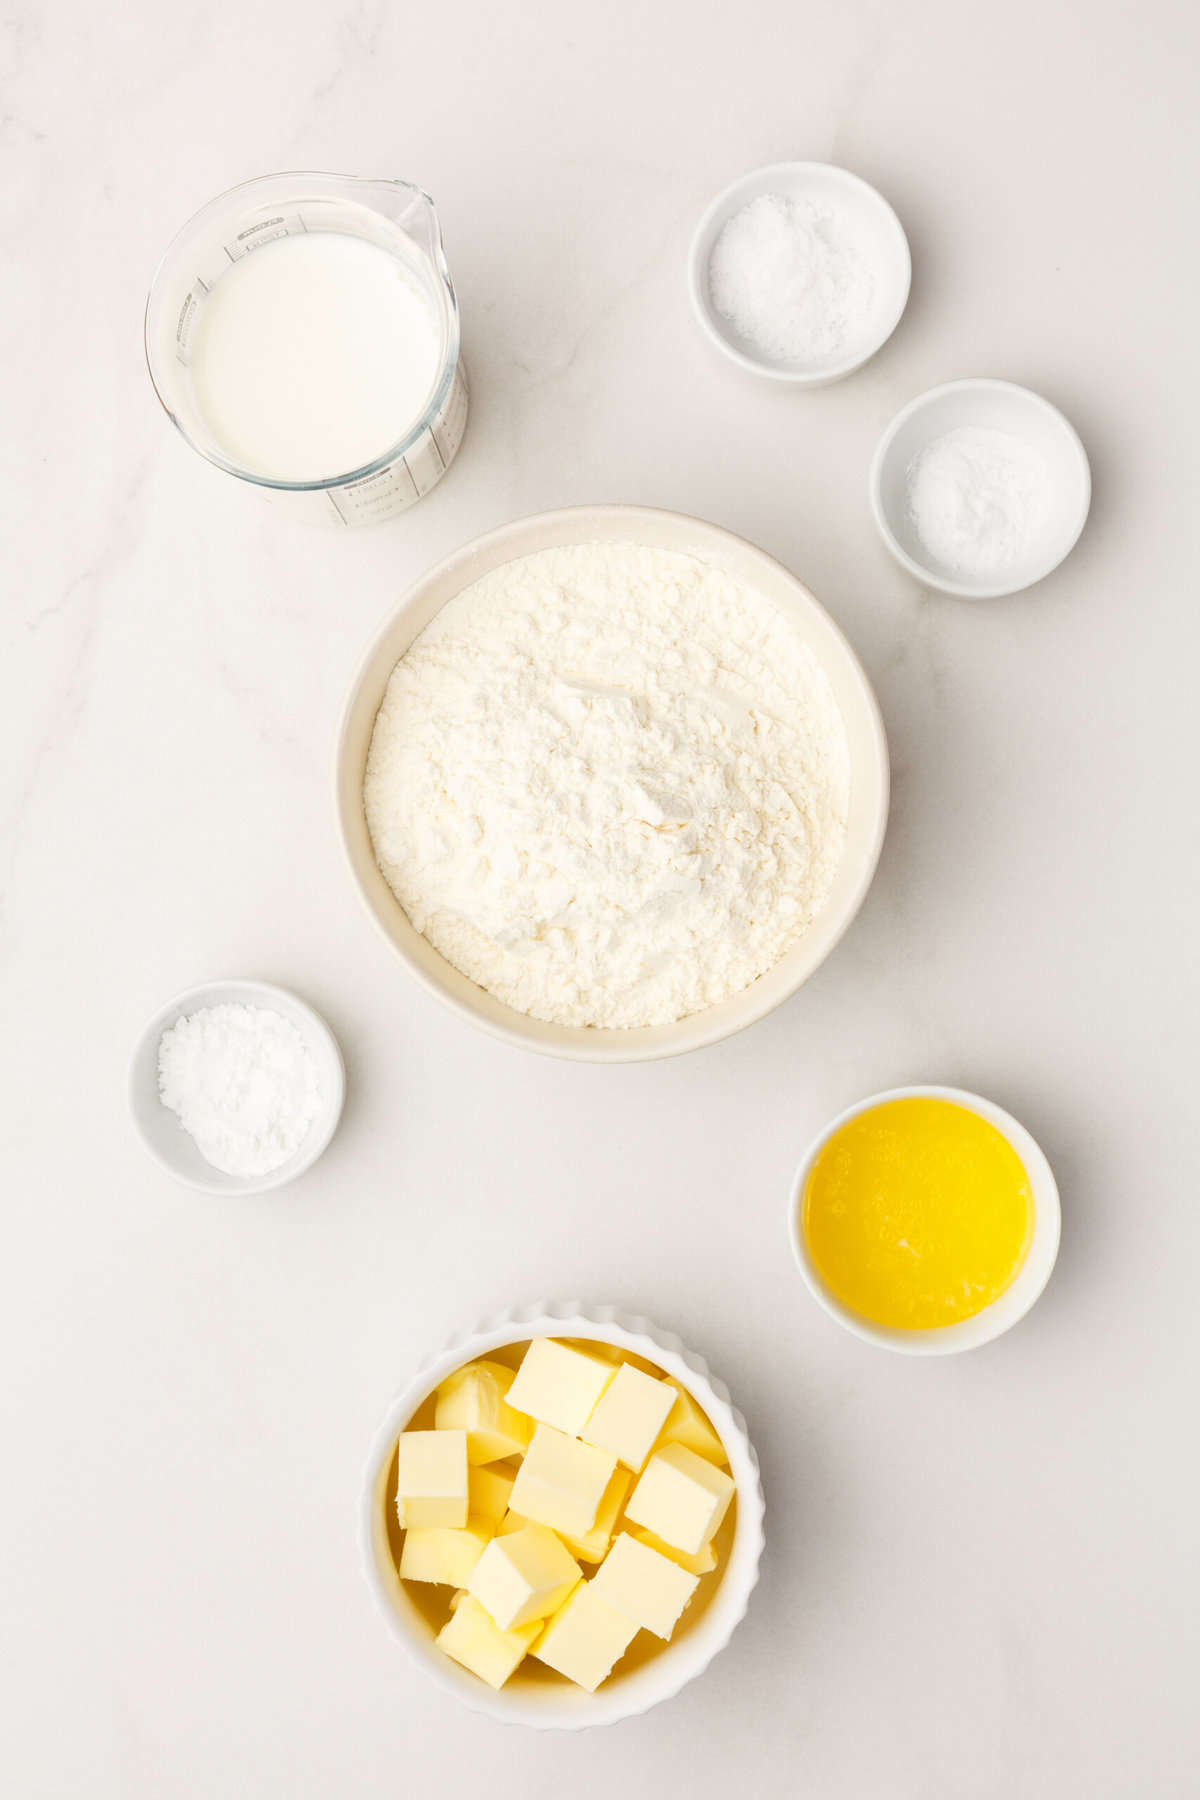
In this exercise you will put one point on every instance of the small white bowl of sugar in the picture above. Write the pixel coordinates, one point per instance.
(800, 272)
(236, 1087)
(980, 488)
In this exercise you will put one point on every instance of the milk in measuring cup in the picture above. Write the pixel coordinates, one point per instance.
(312, 357)
(302, 333)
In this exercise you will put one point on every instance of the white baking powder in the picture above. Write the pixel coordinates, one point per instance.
(243, 1083)
(790, 276)
(609, 784)
(977, 499)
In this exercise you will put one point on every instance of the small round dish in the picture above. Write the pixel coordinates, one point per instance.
(1003, 1312)
(159, 1128)
(996, 406)
(881, 234)
(527, 1700)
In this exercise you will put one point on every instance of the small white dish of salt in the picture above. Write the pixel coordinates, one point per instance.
(236, 1087)
(800, 272)
(980, 488)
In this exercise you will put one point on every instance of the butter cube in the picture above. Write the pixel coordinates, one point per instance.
(432, 1478)
(562, 1482)
(488, 1491)
(584, 1639)
(702, 1563)
(473, 1399)
(687, 1425)
(629, 1415)
(477, 1642)
(681, 1497)
(594, 1547)
(523, 1576)
(559, 1386)
(648, 1588)
(436, 1553)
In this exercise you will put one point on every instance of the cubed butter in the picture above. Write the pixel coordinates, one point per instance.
(473, 1399)
(629, 1415)
(559, 1386)
(431, 1479)
(561, 1482)
(681, 1497)
(648, 1588)
(702, 1563)
(523, 1576)
(477, 1642)
(687, 1425)
(437, 1553)
(594, 1547)
(585, 1638)
(488, 1490)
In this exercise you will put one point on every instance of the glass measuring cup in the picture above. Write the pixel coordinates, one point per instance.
(393, 215)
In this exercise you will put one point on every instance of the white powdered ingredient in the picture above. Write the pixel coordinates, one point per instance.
(609, 784)
(791, 278)
(977, 499)
(243, 1082)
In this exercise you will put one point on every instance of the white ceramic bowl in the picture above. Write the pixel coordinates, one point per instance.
(552, 1704)
(997, 406)
(881, 231)
(159, 1128)
(868, 764)
(1008, 1307)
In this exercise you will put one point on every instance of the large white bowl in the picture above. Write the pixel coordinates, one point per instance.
(559, 1705)
(868, 777)
(1007, 1308)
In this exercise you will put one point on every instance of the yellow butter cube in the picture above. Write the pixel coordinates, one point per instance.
(702, 1563)
(593, 1547)
(681, 1497)
(629, 1415)
(648, 1588)
(436, 1553)
(477, 1642)
(585, 1638)
(473, 1399)
(562, 1482)
(488, 1490)
(523, 1576)
(687, 1425)
(559, 1386)
(431, 1478)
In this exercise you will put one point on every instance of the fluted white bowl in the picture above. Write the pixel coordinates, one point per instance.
(559, 1704)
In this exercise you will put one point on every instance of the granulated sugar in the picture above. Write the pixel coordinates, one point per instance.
(790, 277)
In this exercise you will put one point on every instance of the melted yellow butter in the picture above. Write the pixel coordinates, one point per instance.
(918, 1213)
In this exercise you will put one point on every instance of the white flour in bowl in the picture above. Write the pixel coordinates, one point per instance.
(609, 784)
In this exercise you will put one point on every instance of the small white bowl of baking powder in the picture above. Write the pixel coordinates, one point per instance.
(799, 271)
(236, 1087)
(980, 488)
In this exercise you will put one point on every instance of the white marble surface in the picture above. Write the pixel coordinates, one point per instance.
(978, 1570)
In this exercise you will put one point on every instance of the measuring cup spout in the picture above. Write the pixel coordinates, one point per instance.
(413, 212)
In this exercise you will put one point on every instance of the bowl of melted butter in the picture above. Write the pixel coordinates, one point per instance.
(925, 1220)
